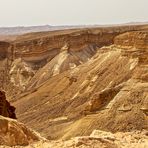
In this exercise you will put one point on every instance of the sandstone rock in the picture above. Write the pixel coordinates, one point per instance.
(99, 100)
(100, 139)
(134, 44)
(13, 133)
(137, 39)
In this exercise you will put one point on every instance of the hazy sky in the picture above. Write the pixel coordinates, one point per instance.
(71, 12)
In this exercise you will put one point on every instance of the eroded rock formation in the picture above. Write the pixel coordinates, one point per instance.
(109, 93)
(75, 81)
(13, 133)
(39, 49)
(3, 49)
(5, 108)
(137, 39)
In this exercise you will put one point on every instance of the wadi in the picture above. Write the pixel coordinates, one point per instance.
(69, 87)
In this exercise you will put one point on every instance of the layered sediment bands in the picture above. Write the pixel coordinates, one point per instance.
(5, 108)
(37, 52)
(41, 50)
(107, 92)
(137, 39)
(134, 44)
(65, 60)
(48, 47)
(49, 43)
(45, 54)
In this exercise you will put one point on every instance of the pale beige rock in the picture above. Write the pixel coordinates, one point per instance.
(13, 133)
(98, 139)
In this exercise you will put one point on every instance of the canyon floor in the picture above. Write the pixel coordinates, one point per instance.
(84, 87)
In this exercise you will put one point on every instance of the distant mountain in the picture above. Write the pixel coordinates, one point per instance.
(22, 30)
(5, 31)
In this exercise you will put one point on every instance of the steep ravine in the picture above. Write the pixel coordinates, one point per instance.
(108, 92)
(73, 83)
(29, 55)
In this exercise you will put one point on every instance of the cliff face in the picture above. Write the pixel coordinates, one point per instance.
(107, 92)
(3, 49)
(134, 44)
(5, 108)
(13, 133)
(70, 48)
(29, 57)
(30, 46)
(135, 39)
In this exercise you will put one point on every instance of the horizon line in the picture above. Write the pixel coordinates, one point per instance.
(77, 25)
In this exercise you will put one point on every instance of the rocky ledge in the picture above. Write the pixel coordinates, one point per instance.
(13, 133)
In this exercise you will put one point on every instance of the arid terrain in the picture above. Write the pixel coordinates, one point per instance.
(83, 87)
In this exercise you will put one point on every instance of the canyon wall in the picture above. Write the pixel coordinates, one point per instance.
(5, 108)
(137, 39)
(134, 44)
(35, 50)
(107, 92)
(33, 45)
(74, 81)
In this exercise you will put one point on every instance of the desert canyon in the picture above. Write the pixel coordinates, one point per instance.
(85, 87)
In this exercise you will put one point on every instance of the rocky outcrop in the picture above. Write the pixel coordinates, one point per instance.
(134, 44)
(13, 133)
(97, 138)
(101, 99)
(100, 139)
(5, 108)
